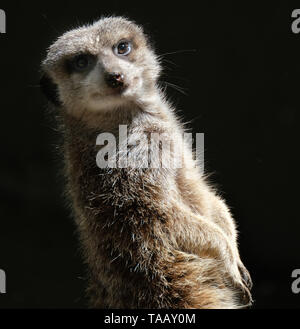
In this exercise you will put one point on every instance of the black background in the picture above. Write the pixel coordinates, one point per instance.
(242, 91)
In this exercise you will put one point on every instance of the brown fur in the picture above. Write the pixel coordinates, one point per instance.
(152, 238)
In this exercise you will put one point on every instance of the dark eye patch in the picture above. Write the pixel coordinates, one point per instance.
(80, 63)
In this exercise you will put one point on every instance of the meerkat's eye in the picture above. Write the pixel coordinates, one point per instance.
(123, 48)
(81, 63)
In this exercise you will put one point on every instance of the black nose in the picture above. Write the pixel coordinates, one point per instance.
(114, 80)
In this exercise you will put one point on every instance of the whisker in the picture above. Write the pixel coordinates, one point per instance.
(170, 62)
(175, 87)
(49, 23)
(179, 78)
(178, 52)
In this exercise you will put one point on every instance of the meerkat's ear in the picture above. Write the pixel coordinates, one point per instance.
(50, 89)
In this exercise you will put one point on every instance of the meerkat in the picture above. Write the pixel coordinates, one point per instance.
(151, 237)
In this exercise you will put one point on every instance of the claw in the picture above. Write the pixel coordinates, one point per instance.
(246, 278)
(241, 281)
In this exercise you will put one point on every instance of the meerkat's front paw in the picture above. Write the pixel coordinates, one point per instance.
(241, 280)
(245, 275)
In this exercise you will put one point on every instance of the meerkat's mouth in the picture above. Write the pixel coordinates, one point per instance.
(110, 92)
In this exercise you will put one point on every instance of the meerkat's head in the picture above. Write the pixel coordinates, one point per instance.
(100, 67)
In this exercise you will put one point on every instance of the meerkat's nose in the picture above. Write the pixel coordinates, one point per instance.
(114, 80)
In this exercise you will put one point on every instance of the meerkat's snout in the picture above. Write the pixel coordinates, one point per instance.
(114, 80)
